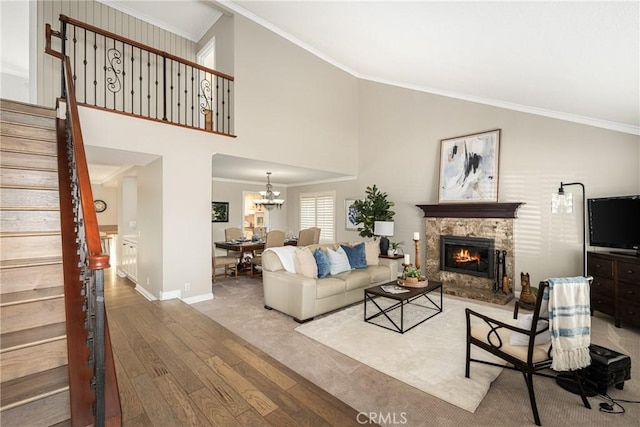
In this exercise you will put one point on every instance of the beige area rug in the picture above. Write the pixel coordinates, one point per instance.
(430, 357)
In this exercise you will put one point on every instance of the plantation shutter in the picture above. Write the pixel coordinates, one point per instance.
(318, 210)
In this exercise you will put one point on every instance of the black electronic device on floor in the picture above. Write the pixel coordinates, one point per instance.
(608, 367)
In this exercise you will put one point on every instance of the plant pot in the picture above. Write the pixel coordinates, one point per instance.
(411, 279)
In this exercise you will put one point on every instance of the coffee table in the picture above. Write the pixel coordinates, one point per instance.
(402, 301)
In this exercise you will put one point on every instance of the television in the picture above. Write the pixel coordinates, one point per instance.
(614, 222)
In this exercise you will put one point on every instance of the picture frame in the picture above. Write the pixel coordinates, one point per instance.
(219, 211)
(469, 168)
(349, 214)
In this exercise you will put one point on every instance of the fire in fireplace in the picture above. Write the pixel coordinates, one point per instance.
(467, 255)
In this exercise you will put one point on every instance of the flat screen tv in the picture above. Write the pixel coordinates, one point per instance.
(614, 222)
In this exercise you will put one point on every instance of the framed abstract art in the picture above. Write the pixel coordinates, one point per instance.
(469, 168)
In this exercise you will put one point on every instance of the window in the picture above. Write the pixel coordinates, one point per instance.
(319, 210)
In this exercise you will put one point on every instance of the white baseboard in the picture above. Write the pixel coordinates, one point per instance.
(145, 293)
(169, 295)
(198, 298)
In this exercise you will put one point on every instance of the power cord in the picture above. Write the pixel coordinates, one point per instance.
(613, 406)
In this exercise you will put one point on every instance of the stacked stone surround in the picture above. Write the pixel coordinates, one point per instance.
(464, 285)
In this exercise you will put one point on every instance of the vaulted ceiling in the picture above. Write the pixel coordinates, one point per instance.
(577, 61)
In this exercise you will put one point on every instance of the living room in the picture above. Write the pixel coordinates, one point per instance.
(369, 132)
(386, 135)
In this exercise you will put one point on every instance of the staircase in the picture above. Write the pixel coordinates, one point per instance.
(34, 387)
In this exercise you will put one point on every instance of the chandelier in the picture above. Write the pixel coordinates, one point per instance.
(269, 198)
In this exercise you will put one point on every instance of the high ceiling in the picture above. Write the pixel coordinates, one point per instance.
(577, 61)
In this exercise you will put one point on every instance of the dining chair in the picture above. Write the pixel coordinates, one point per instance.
(233, 233)
(556, 335)
(316, 235)
(306, 236)
(226, 262)
(274, 238)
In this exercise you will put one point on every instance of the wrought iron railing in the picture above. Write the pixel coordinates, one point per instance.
(121, 75)
(93, 386)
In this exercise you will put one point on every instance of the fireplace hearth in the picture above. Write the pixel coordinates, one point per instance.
(467, 255)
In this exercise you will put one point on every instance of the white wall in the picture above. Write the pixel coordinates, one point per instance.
(400, 133)
(110, 196)
(150, 219)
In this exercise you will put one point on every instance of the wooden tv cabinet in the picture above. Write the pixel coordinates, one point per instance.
(616, 286)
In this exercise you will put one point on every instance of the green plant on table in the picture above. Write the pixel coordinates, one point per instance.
(411, 271)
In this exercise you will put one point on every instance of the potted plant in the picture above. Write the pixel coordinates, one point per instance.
(411, 274)
(395, 248)
(374, 207)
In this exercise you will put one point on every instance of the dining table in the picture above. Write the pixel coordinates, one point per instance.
(249, 245)
(247, 249)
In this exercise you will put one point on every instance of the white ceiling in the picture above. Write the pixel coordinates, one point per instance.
(577, 61)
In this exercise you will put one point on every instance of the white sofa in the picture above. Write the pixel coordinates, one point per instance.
(303, 298)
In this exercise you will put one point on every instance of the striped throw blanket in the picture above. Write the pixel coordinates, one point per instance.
(569, 322)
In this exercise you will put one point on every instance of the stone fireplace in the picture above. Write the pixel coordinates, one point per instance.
(481, 222)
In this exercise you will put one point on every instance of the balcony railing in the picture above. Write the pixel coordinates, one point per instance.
(114, 73)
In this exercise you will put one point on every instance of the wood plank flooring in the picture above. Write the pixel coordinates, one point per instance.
(176, 366)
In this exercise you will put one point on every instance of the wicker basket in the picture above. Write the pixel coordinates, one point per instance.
(413, 282)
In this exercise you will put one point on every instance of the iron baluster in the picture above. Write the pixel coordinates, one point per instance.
(164, 87)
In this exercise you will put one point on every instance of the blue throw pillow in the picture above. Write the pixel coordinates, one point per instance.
(357, 255)
(322, 260)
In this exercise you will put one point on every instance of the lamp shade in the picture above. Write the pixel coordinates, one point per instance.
(383, 228)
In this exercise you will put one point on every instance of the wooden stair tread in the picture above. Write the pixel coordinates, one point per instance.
(29, 208)
(26, 108)
(32, 387)
(29, 262)
(34, 336)
(31, 296)
(28, 233)
(28, 187)
(30, 168)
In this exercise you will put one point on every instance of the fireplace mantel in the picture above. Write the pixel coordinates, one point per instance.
(471, 210)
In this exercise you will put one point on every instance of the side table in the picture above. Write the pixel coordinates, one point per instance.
(400, 256)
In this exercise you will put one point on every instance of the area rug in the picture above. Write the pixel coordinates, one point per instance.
(430, 357)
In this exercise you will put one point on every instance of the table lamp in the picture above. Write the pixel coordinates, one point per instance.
(383, 229)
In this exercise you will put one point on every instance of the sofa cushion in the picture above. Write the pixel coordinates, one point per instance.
(355, 279)
(356, 254)
(329, 286)
(378, 273)
(305, 263)
(338, 261)
(372, 251)
(322, 262)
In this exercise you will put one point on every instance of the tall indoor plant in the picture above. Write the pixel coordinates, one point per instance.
(374, 207)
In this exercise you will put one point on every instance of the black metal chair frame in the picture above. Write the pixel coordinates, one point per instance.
(527, 367)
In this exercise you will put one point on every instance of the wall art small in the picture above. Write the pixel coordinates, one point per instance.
(469, 168)
(219, 211)
(349, 215)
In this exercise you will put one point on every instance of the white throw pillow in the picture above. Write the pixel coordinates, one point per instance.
(338, 261)
(372, 251)
(305, 262)
(524, 322)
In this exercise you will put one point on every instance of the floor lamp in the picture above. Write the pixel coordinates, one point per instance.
(563, 203)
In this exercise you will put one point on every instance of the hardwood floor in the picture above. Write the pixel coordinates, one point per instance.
(176, 366)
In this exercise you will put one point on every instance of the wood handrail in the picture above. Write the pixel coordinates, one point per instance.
(114, 36)
(93, 390)
(97, 260)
